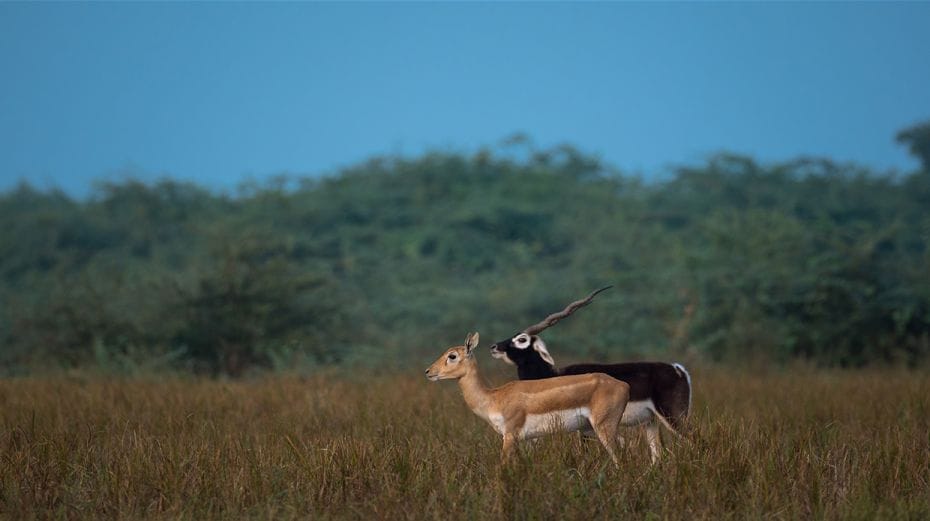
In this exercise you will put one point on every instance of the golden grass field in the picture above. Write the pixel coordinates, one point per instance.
(782, 445)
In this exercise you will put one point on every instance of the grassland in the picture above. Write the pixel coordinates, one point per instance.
(787, 445)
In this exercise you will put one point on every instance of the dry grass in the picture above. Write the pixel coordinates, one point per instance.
(787, 446)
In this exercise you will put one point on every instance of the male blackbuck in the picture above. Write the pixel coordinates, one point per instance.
(659, 392)
(528, 409)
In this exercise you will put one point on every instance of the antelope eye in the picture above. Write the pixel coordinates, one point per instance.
(452, 357)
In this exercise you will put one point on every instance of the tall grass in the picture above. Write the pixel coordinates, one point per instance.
(787, 446)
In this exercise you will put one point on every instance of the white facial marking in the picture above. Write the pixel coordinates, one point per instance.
(521, 341)
(503, 356)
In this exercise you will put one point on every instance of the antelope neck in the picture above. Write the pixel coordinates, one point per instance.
(475, 391)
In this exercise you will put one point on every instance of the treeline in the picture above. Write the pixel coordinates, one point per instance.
(390, 260)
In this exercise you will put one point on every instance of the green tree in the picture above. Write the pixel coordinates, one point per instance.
(917, 140)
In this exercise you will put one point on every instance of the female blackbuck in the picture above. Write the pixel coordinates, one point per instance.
(529, 409)
(659, 392)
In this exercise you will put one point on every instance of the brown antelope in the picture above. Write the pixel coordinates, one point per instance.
(528, 409)
(659, 392)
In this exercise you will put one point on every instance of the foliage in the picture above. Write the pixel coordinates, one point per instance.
(917, 139)
(727, 260)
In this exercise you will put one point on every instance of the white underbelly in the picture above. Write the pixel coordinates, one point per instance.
(638, 412)
(559, 421)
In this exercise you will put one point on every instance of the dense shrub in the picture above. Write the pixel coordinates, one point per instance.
(729, 260)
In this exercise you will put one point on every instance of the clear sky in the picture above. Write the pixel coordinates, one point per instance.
(218, 92)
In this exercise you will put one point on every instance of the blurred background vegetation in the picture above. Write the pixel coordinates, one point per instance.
(386, 262)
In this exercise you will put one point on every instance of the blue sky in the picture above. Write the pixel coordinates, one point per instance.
(219, 93)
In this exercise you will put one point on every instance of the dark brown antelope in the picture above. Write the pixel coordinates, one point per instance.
(659, 392)
(528, 409)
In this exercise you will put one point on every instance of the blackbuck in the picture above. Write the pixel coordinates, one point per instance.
(659, 392)
(522, 410)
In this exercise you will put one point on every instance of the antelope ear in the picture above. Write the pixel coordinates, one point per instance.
(471, 342)
(540, 347)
